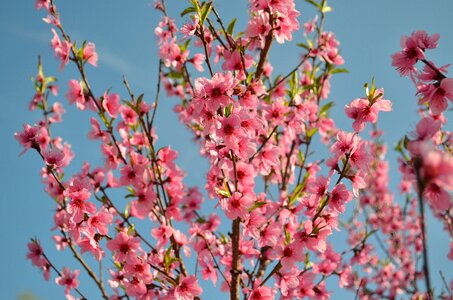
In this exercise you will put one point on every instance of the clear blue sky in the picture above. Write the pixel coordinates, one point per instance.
(369, 32)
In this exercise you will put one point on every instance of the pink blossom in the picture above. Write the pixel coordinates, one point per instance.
(346, 143)
(79, 193)
(35, 254)
(129, 115)
(188, 288)
(124, 246)
(42, 4)
(76, 94)
(111, 104)
(189, 29)
(413, 50)
(62, 49)
(53, 157)
(215, 92)
(197, 61)
(231, 131)
(162, 234)
(96, 132)
(90, 55)
(135, 287)
(339, 197)
(208, 271)
(28, 137)
(437, 98)
(262, 293)
(237, 205)
(437, 167)
(139, 268)
(363, 110)
(100, 221)
(290, 254)
(141, 207)
(68, 279)
(89, 244)
(233, 61)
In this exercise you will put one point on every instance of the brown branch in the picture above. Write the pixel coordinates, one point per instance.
(87, 268)
(421, 187)
(56, 270)
(234, 287)
(265, 50)
(235, 237)
(303, 60)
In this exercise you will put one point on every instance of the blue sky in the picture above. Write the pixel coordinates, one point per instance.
(369, 32)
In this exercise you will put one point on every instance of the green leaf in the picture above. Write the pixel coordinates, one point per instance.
(228, 110)
(307, 259)
(326, 108)
(167, 258)
(303, 46)
(174, 75)
(257, 204)
(295, 194)
(184, 46)
(131, 230)
(293, 83)
(230, 28)
(188, 10)
(223, 238)
(370, 234)
(301, 157)
(287, 236)
(131, 190)
(314, 4)
(128, 103)
(196, 6)
(340, 70)
(139, 100)
(127, 210)
(223, 193)
(326, 9)
(206, 9)
(50, 79)
(312, 132)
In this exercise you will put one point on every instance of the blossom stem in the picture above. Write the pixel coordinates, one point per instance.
(439, 73)
(205, 47)
(219, 20)
(274, 270)
(421, 188)
(265, 51)
(214, 259)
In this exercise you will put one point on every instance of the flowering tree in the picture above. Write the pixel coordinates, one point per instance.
(280, 201)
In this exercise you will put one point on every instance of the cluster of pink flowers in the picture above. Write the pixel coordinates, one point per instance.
(256, 132)
(432, 85)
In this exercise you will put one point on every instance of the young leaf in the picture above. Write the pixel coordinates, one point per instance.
(206, 9)
(314, 4)
(188, 10)
(230, 28)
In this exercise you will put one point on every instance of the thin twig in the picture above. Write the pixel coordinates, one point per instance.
(263, 144)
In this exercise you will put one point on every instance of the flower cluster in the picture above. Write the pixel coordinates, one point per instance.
(282, 202)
